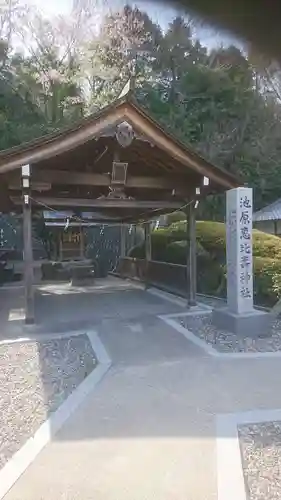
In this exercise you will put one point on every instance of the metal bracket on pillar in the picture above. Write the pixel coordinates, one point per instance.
(191, 254)
(27, 246)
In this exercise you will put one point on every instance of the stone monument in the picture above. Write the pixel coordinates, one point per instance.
(240, 316)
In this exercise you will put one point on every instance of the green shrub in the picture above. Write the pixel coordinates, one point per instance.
(161, 239)
(212, 237)
(137, 252)
(210, 274)
(169, 245)
(266, 245)
(175, 217)
(178, 230)
(177, 252)
(267, 280)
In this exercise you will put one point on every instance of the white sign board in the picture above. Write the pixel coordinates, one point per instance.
(239, 250)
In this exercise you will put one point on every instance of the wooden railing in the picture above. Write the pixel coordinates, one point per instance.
(172, 277)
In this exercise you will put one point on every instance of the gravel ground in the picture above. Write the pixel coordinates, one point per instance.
(35, 377)
(224, 341)
(260, 446)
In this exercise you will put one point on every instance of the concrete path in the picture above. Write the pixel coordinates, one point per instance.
(147, 432)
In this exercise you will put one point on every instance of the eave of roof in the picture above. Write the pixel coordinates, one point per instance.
(124, 108)
(187, 148)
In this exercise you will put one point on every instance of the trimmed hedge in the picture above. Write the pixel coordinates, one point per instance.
(169, 245)
(267, 283)
(213, 238)
(165, 247)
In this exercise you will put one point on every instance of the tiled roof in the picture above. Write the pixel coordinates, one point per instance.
(270, 212)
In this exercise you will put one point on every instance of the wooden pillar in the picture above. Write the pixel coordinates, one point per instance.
(82, 243)
(147, 235)
(191, 258)
(27, 246)
(60, 246)
(147, 242)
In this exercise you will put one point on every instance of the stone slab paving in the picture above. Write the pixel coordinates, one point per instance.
(35, 378)
(224, 341)
(144, 340)
(138, 437)
(60, 307)
(260, 446)
(148, 430)
(76, 309)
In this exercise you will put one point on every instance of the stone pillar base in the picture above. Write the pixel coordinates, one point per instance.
(252, 324)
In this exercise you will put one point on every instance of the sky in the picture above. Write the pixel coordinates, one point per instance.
(159, 13)
(162, 14)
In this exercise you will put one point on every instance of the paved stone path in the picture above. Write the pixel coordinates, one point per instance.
(147, 432)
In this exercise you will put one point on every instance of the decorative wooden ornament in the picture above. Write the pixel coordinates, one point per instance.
(124, 134)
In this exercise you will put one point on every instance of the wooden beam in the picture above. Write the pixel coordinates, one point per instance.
(102, 203)
(63, 177)
(145, 216)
